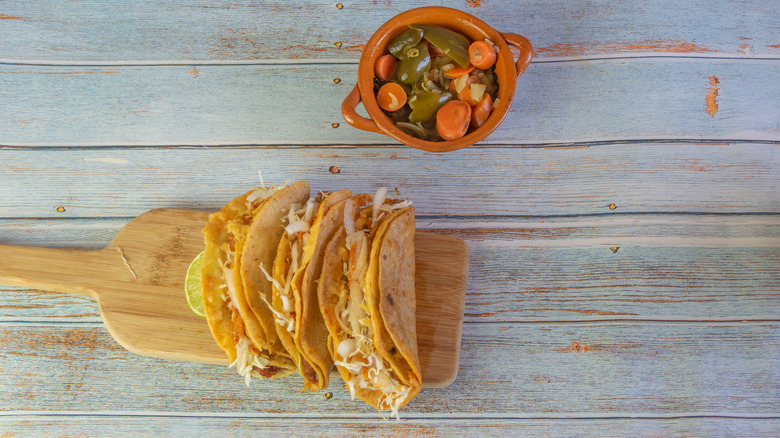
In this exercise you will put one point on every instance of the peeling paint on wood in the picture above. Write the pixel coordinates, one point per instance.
(602, 380)
(657, 46)
(712, 96)
(510, 425)
(241, 30)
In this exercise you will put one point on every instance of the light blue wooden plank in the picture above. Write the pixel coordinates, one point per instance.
(607, 369)
(647, 267)
(177, 424)
(17, 304)
(180, 30)
(635, 177)
(84, 234)
(595, 231)
(633, 283)
(588, 101)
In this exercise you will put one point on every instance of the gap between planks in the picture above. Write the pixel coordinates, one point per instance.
(348, 61)
(725, 322)
(409, 416)
(497, 225)
(509, 221)
(534, 144)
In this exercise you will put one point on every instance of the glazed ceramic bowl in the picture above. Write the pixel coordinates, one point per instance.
(506, 68)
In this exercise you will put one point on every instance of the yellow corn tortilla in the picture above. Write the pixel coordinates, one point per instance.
(390, 298)
(262, 241)
(234, 238)
(307, 344)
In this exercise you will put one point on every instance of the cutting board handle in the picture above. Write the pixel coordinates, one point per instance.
(71, 271)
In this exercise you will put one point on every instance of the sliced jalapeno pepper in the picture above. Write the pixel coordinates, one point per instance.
(455, 45)
(415, 62)
(405, 41)
(424, 105)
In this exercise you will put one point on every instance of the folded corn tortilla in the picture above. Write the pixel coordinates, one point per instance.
(367, 298)
(296, 271)
(239, 238)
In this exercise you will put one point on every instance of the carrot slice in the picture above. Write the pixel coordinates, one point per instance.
(458, 71)
(385, 67)
(482, 55)
(452, 119)
(391, 96)
(481, 111)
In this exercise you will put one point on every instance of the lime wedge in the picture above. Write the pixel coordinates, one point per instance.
(192, 286)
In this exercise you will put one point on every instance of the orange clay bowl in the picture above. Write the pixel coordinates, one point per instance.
(507, 72)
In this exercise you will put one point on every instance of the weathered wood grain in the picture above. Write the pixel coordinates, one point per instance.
(608, 179)
(247, 30)
(640, 267)
(634, 283)
(587, 101)
(594, 231)
(521, 369)
(19, 304)
(591, 311)
(169, 424)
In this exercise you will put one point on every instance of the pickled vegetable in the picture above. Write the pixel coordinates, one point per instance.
(415, 62)
(452, 120)
(482, 55)
(458, 71)
(405, 41)
(424, 105)
(453, 44)
(481, 111)
(391, 97)
(430, 88)
(385, 67)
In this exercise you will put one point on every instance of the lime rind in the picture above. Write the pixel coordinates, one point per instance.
(192, 286)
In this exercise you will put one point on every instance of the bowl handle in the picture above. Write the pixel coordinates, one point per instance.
(352, 117)
(526, 50)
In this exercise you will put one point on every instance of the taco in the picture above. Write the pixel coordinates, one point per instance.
(367, 298)
(296, 271)
(239, 238)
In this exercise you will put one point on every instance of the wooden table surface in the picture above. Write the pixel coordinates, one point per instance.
(623, 221)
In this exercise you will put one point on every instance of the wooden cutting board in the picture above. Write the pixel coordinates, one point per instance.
(138, 282)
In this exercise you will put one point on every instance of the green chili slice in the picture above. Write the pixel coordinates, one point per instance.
(424, 105)
(405, 41)
(455, 45)
(415, 62)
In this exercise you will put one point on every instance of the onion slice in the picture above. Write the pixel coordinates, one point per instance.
(297, 227)
(349, 216)
(379, 199)
(346, 348)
